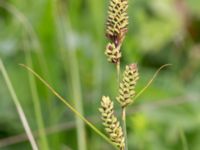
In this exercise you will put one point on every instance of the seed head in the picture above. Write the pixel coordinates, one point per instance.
(127, 86)
(117, 21)
(110, 122)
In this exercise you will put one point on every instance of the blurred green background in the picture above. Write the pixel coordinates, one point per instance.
(64, 41)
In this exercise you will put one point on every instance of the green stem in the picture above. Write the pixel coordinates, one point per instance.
(73, 66)
(124, 126)
(123, 109)
(36, 102)
(18, 107)
(77, 96)
(30, 31)
(183, 140)
(118, 71)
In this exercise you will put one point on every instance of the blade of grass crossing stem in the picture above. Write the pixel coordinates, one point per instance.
(69, 106)
(18, 107)
(36, 103)
(77, 96)
(95, 12)
(62, 54)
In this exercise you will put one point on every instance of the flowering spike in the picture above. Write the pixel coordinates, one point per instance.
(127, 86)
(110, 122)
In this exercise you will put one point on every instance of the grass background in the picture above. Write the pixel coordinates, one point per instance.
(64, 41)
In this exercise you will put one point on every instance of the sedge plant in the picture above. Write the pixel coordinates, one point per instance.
(116, 29)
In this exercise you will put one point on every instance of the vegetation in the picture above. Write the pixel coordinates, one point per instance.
(63, 44)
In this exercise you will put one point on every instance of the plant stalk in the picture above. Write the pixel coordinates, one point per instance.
(73, 66)
(77, 96)
(18, 107)
(35, 98)
(183, 140)
(118, 71)
(124, 126)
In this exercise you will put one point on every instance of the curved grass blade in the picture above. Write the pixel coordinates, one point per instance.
(69, 105)
(151, 80)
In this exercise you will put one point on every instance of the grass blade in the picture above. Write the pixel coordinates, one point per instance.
(183, 140)
(43, 142)
(63, 31)
(18, 107)
(151, 80)
(69, 105)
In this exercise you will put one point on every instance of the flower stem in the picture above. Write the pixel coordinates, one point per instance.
(124, 126)
(118, 71)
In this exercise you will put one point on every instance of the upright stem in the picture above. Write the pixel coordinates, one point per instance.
(65, 31)
(35, 98)
(183, 140)
(123, 109)
(18, 106)
(118, 71)
(124, 126)
(77, 96)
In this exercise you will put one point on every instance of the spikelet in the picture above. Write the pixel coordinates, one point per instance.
(116, 28)
(110, 122)
(117, 21)
(126, 89)
(113, 53)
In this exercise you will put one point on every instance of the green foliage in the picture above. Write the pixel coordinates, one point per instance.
(159, 33)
